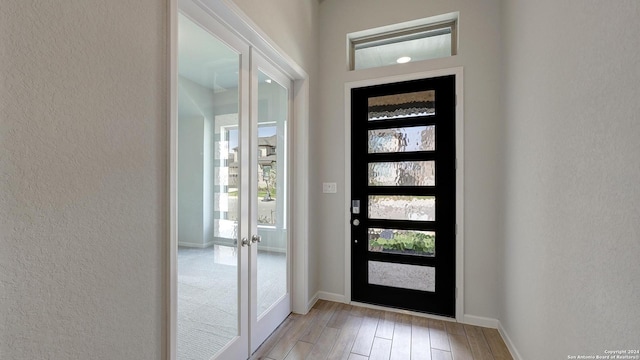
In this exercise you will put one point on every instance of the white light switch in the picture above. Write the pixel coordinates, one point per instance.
(329, 188)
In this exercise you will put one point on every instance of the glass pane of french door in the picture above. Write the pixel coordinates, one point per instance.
(271, 192)
(208, 310)
(270, 300)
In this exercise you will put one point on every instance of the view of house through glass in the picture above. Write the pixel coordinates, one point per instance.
(273, 111)
(209, 171)
(208, 103)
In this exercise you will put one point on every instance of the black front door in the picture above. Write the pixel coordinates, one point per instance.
(403, 195)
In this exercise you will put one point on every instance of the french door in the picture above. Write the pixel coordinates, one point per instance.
(269, 271)
(232, 251)
(403, 195)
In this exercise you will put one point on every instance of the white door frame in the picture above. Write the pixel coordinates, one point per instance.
(227, 13)
(458, 72)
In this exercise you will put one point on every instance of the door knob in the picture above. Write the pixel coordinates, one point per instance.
(356, 222)
(245, 242)
(256, 239)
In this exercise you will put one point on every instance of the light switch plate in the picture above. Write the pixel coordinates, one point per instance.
(329, 188)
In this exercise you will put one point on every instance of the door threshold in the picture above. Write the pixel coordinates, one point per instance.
(402, 311)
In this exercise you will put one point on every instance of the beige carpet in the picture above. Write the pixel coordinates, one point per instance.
(207, 297)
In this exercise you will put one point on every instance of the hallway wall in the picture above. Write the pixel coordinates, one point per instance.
(82, 179)
(291, 24)
(83, 169)
(572, 229)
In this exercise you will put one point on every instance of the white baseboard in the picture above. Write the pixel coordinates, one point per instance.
(272, 249)
(510, 345)
(494, 324)
(480, 321)
(197, 246)
(312, 302)
(331, 296)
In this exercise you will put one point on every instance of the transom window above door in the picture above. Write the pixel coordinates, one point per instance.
(424, 39)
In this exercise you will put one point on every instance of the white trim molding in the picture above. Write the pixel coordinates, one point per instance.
(324, 295)
(170, 323)
(480, 321)
(494, 324)
(510, 345)
(458, 72)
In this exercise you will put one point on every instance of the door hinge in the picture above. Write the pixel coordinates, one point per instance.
(456, 292)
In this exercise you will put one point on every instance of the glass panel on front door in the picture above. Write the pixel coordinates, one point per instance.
(403, 105)
(409, 242)
(409, 139)
(401, 207)
(403, 175)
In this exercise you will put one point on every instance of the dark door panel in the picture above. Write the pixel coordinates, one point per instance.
(403, 176)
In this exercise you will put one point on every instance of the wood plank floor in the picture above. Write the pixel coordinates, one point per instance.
(344, 332)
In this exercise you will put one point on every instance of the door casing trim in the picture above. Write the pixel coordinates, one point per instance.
(458, 72)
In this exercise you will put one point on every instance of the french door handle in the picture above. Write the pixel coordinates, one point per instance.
(245, 242)
(256, 239)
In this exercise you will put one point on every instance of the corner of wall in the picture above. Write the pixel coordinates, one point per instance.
(510, 345)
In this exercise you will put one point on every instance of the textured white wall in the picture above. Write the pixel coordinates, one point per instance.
(572, 220)
(82, 169)
(479, 54)
(191, 182)
(291, 24)
(195, 179)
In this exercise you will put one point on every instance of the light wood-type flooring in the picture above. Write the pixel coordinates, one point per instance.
(339, 331)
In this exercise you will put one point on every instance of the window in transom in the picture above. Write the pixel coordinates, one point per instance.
(402, 43)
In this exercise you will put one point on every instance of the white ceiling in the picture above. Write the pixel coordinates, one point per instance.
(204, 59)
(419, 49)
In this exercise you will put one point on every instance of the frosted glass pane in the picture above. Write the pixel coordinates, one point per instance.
(405, 105)
(403, 173)
(400, 207)
(407, 242)
(221, 176)
(402, 276)
(406, 139)
(221, 202)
